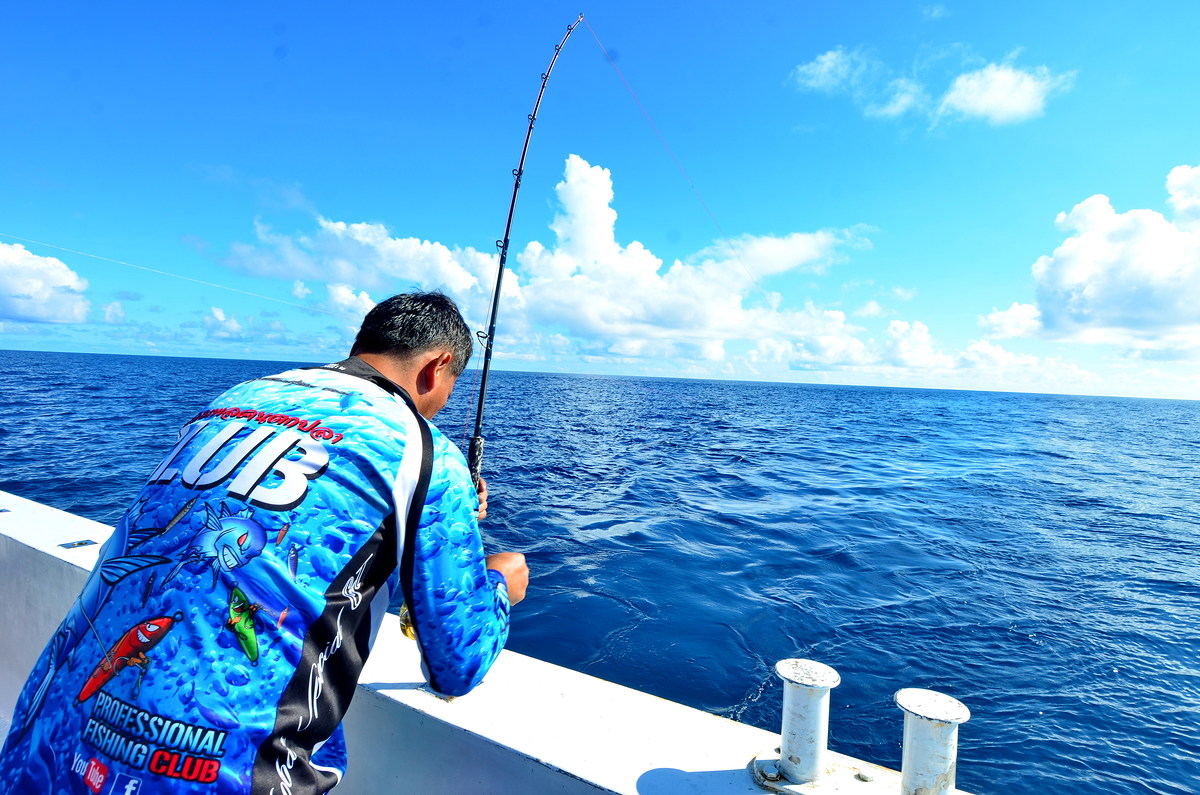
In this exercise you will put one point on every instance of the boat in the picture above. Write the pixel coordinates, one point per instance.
(530, 728)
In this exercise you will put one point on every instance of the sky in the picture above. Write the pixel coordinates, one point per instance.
(942, 194)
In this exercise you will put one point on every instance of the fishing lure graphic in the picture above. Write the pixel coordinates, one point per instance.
(129, 650)
(227, 541)
(241, 622)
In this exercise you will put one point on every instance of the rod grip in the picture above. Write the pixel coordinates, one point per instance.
(475, 460)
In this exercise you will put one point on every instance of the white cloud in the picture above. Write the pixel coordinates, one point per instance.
(869, 309)
(114, 313)
(584, 298)
(1183, 187)
(1003, 94)
(221, 326)
(982, 353)
(1130, 278)
(903, 95)
(40, 289)
(998, 93)
(590, 287)
(363, 254)
(598, 295)
(912, 345)
(343, 298)
(1019, 320)
(833, 71)
(367, 248)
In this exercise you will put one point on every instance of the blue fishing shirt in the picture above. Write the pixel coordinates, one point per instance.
(220, 637)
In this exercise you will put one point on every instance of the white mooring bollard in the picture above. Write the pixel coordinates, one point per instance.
(930, 740)
(806, 686)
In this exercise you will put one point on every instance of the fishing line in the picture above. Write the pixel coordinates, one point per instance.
(471, 400)
(695, 191)
(179, 276)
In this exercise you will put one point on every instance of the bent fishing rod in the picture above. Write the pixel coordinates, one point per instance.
(475, 452)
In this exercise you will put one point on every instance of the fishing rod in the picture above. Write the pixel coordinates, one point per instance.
(475, 452)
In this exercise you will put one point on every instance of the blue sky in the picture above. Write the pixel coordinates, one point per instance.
(929, 194)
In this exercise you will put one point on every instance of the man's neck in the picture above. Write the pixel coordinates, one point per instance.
(391, 369)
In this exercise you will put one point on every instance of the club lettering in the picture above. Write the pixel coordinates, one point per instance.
(173, 764)
(270, 467)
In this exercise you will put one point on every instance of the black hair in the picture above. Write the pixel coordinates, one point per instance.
(413, 323)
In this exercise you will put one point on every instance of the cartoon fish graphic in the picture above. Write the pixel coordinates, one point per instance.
(227, 541)
(293, 561)
(115, 565)
(129, 650)
(241, 622)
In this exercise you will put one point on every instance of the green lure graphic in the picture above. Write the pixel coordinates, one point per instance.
(241, 623)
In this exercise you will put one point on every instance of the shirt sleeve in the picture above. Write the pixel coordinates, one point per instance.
(459, 607)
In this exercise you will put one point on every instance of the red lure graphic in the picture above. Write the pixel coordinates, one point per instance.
(129, 650)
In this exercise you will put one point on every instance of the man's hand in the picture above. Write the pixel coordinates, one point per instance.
(482, 514)
(516, 573)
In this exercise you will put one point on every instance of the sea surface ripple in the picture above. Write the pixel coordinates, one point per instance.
(1036, 556)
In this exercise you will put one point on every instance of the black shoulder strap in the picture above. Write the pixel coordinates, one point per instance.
(358, 368)
(292, 736)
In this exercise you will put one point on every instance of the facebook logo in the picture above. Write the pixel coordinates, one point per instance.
(126, 784)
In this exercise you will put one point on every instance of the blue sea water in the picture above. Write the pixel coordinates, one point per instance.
(1036, 556)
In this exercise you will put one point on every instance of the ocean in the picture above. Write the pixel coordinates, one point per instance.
(1035, 556)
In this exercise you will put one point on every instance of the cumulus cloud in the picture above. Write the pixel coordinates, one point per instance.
(1183, 189)
(355, 247)
(585, 296)
(1002, 93)
(114, 313)
(1128, 278)
(41, 289)
(869, 309)
(584, 293)
(1019, 320)
(343, 298)
(984, 354)
(910, 344)
(835, 71)
(997, 93)
(590, 286)
(363, 254)
(902, 95)
(221, 326)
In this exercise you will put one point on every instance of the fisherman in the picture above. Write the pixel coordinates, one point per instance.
(220, 637)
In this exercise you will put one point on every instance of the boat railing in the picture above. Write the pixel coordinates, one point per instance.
(531, 727)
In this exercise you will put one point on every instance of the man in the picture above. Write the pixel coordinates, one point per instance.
(218, 642)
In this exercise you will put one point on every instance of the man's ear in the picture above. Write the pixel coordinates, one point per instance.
(433, 371)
